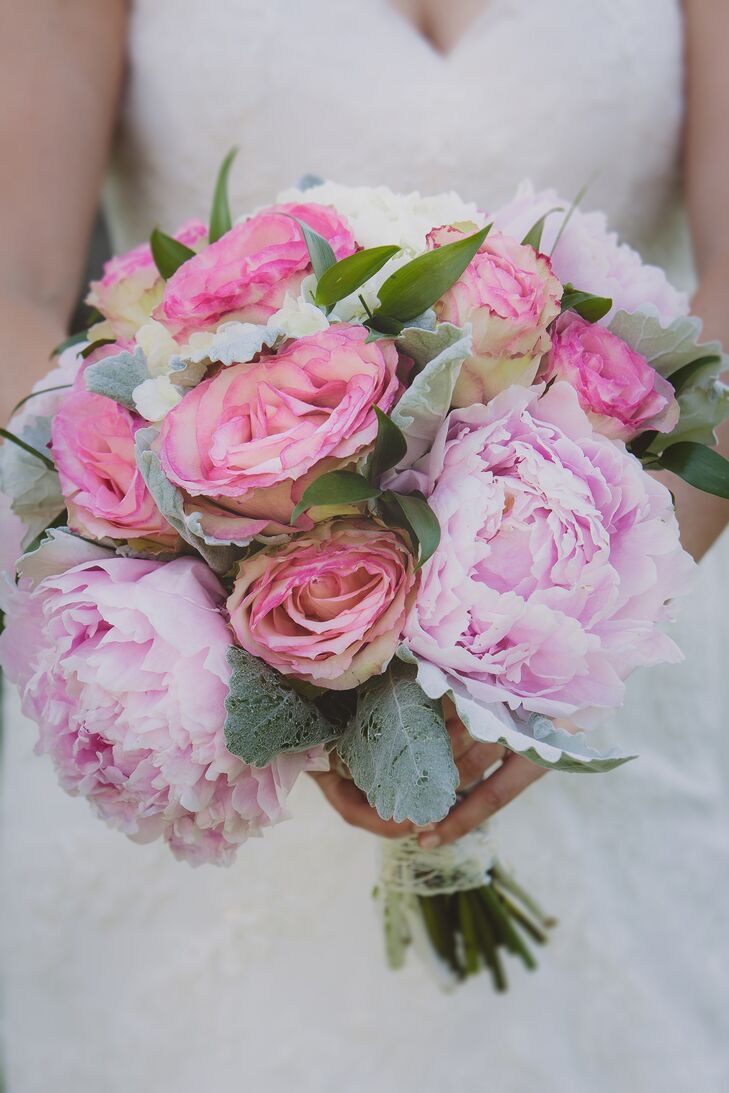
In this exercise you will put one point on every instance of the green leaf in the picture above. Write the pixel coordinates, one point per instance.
(398, 749)
(96, 345)
(220, 218)
(681, 379)
(415, 287)
(533, 237)
(418, 518)
(702, 467)
(385, 326)
(321, 254)
(585, 304)
(266, 716)
(168, 253)
(579, 198)
(35, 394)
(390, 446)
(346, 276)
(13, 439)
(336, 488)
(73, 339)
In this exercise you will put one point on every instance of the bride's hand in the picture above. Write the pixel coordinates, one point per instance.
(352, 805)
(496, 774)
(508, 775)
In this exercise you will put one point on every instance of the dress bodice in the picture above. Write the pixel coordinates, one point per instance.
(558, 91)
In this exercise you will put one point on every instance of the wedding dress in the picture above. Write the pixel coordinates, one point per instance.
(127, 972)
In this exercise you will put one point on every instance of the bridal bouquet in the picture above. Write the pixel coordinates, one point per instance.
(310, 474)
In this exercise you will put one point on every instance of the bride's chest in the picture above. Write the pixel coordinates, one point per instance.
(559, 90)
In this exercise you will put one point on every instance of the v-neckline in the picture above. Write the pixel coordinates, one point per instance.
(419, 35)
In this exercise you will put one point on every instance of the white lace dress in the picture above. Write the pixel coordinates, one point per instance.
(127, 972)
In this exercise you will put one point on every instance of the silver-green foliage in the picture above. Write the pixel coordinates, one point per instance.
(398, 749)
(266, 716)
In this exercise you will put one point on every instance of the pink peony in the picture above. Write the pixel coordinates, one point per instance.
(327, 607)
(122, 665)
(591, 257)
(93, 446)
(616, 387)
(12, 532)
(252, 436)
(248, 272)
(559, 556)
(509, 295)
(131, 286)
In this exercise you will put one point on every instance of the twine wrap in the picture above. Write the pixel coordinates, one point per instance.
(408, 868)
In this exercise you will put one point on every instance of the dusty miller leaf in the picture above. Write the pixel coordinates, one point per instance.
(116, 377)
(266, 717)
(398, 749)
(439, 354)
(33, 488)
(59, 550)
(531, 735)
(232, 343)
(171, 503)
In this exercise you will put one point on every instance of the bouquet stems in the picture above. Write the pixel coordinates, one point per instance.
(459, 925)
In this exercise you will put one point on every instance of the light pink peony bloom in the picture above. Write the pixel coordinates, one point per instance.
(252, 436)
(248, 272)
(122, 665)
(50, 391)
(591, 257)
(131, 286)
(327, 607)
(12, 531)
(106, 496)
(558, 558)
(509, 295)
(617, 388)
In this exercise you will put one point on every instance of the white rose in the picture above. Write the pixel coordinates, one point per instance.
(297, 318)
(378, 216)
(154, 398)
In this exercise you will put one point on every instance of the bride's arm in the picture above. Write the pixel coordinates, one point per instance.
(60, 78)
(706, 174)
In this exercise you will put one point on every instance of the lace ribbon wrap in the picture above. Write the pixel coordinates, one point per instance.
(407, 871)
(408, 868)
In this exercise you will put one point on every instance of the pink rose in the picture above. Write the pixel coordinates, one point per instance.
(93, 446)
(123, 669)
(558, 558)
(249, 436)
(328, 606)
(592, 257)
(509, 295)
(248, 272)
(617, 388)
(131, 287)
